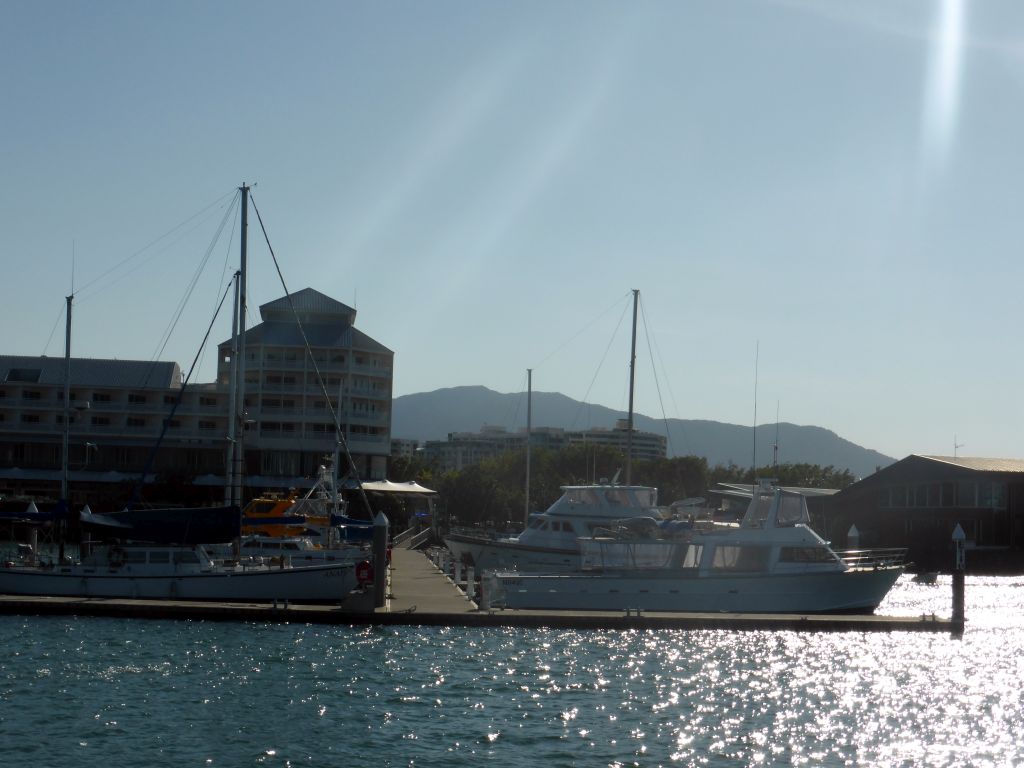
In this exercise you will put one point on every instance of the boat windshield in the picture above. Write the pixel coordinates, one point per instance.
(792, 510)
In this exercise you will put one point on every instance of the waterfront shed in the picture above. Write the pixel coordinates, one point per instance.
(918, 501)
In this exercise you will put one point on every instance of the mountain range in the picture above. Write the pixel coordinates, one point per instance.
(432, 415)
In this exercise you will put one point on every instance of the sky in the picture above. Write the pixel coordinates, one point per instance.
(816, 200)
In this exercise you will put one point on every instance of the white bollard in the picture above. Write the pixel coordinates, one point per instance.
(458, 572)
(470, 583)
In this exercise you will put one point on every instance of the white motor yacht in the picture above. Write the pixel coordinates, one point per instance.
(771, 562)
(550, 541)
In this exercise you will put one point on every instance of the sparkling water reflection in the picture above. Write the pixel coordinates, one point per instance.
(104, 692)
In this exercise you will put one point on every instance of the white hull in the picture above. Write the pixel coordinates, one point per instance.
(328, 583)
(831, 592)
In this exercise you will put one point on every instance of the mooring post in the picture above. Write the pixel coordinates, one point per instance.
(957, 619)
(457, 573)
(470, 583)
(380, 560)
(484, 603)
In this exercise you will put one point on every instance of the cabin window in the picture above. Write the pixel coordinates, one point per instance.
(805, 555)
(159, 557)
(186, 557)
(134, 557)
(740, 558)
(692, 557)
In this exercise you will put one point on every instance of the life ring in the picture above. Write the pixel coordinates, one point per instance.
(116, 557)
(364, 572)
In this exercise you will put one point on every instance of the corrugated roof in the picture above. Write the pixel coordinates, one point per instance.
(90, 372)
(980, 464)
(306, 301)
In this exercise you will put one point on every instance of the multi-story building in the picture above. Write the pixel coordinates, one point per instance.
(121, 408)
(463, 449)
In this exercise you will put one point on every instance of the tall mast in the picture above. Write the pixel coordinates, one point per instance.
(67, 401)
(240, 380)
(229, 487)
(529, 436)
(65, 459)
(632, 377)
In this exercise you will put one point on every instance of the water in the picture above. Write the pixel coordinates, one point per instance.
(106, 692)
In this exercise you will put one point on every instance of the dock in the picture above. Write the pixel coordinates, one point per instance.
(419, 594)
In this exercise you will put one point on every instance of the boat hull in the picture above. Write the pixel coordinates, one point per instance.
(320, 584)
(493, 555)
(852, 591)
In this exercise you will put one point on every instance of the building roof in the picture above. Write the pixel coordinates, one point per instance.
(308, 303)
(287, 334)
(979, 464)
(90, 372)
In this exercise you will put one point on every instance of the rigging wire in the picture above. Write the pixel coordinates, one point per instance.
(604, 357)
(657, 382)
(183, 302)
(316, 369)
(53, 330)
(162, 237)
(136, 494)
(581, 331)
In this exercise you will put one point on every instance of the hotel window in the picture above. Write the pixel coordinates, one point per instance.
(135, 421)
(31, 394)
(133, 398)
(30, 418)
(101, 397)
(207, 426)
(101, 421)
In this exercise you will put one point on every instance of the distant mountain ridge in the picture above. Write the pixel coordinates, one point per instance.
(432, 415)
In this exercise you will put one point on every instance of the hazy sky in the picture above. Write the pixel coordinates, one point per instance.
(830, 187)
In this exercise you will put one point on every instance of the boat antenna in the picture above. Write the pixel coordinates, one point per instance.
(775, 448)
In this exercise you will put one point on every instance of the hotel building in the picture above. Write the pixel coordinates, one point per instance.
(119, 408)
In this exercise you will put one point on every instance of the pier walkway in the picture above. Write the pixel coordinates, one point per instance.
(420, 594)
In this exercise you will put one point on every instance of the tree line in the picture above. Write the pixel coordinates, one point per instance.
(493, 491)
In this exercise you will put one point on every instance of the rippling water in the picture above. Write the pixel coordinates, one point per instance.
(107, 692)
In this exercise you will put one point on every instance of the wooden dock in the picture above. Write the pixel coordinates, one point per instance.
(420, 595)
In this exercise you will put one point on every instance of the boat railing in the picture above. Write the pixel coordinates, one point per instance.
(886, 557)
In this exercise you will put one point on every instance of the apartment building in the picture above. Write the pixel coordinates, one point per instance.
(120, 408)
(463, 449)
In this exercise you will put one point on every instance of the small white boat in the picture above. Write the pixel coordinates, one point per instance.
(550, 541)
(146, 571)
(771, 562)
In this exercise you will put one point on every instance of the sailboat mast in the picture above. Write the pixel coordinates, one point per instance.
(239, 382)
(67, 401)
(529, 436)
(229, 487)
(632, 378)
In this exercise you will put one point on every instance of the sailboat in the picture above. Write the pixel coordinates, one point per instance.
(550, 540)
(164, 554)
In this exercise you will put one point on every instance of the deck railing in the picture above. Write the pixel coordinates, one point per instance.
(888, 557)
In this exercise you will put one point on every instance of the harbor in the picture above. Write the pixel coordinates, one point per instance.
(422, 594)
